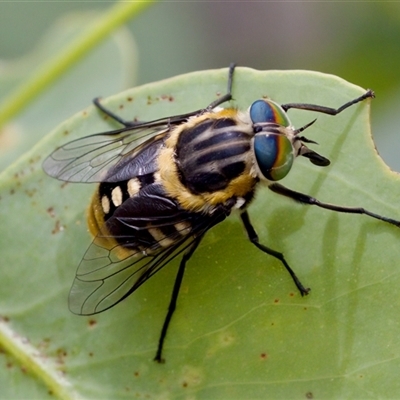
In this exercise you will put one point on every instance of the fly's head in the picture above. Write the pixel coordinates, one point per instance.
(276, 143)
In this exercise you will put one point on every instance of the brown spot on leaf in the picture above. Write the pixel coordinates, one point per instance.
(57, 228)
(167, 97)
(30, 192)
(92, 323)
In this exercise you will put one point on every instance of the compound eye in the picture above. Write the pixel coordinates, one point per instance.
(262, 111)
(274, 155)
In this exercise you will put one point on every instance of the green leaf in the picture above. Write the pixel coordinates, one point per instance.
(113, 60)
(241, 330)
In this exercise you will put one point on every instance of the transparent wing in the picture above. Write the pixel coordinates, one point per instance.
(115, 266)
(107, 276)
(90, 159)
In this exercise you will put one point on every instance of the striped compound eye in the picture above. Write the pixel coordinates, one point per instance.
(274, 154)
(274, 151)
(262, 111)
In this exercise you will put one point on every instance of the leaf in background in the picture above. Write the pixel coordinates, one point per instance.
(240, 330)
(114, 60)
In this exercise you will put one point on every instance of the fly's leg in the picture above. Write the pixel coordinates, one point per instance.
(175, 119)
(308, 200)
(328, 110)
(253, 237)
(112, 115)
(174, 298)
(228, 96)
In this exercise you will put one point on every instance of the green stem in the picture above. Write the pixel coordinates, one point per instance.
(31, 360)
(62, 61)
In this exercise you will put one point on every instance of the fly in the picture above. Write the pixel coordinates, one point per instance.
(163, 184)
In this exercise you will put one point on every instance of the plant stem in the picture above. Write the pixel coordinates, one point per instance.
(53, 68)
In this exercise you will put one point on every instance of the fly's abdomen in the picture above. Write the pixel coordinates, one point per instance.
(112, 195)
(137, 217)
(212, 154)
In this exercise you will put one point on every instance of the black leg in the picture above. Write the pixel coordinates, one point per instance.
(228, 96)
(176, 119)
(328, 110)
(115, 117)
(306, 199)
(174, 297)
(253, 237)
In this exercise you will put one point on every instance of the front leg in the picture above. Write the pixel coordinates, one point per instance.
(312, 201)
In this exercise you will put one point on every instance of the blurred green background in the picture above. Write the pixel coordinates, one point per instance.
(358, 41)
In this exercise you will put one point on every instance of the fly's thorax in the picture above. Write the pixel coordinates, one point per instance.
(208, 161)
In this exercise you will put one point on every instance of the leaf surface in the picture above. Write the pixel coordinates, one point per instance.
(240, 330)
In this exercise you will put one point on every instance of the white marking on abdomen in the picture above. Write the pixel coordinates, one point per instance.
(133, 186)
(105, 204)
(116, 196)
(161, 239)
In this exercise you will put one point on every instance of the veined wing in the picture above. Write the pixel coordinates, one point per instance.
(91, 158)
(137, 241)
